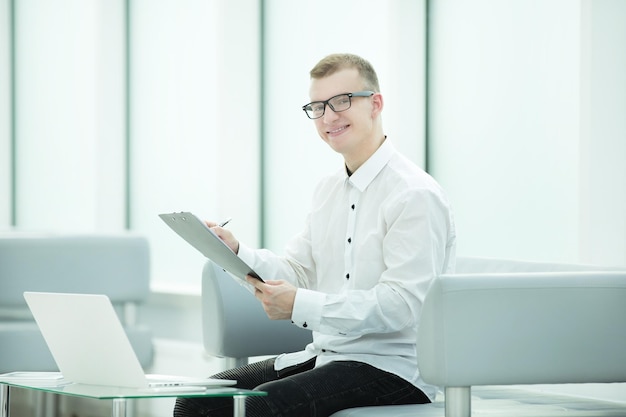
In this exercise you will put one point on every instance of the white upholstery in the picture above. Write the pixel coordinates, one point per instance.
(497, 329)
(522, 327)
(494, 322)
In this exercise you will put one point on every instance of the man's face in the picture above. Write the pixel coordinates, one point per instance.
(348, 131)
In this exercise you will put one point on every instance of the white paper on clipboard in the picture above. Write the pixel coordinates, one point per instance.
(197, 234)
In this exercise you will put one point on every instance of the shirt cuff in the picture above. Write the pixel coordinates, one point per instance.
(245, 254)
(307, 309)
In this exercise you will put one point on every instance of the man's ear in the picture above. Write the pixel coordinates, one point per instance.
(377, 104)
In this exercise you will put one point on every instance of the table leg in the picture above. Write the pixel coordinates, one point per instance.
(4, 400)
(239, 409)
(119, 407)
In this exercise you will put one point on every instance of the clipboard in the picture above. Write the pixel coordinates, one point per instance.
(200, 236)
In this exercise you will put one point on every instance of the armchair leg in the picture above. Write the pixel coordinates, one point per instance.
(231, 363)
(458, 401)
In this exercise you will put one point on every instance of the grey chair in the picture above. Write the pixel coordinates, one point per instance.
(115, 265)
(235, 327)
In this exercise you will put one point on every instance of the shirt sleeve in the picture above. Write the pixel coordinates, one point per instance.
(274, 267)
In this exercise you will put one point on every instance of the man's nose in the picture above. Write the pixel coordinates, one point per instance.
(329, 114)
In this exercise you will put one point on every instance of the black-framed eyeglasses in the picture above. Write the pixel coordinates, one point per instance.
(340, 102)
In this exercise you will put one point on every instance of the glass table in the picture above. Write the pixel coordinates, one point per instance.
(120, 395)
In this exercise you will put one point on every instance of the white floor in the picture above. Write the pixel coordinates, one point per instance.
(511, 402)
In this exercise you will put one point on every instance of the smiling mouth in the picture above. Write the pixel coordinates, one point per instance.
(338, 130)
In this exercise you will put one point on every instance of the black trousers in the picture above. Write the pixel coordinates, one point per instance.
(303, 390)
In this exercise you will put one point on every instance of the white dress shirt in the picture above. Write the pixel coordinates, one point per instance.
(372, 243)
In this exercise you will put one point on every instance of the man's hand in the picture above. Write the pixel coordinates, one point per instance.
(225, 235)
(277, 297)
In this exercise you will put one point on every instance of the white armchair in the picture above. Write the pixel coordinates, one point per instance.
(500, 322)
(494, 322)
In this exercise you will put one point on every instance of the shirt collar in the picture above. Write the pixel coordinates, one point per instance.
(366, 173)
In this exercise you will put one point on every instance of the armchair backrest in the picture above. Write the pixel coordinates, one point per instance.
(482, 265)
(115, 265)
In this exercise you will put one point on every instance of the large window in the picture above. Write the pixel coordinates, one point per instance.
(124, 110)
(59, 119)
(527, 128)
(119, 111)
(194, 124)
(174, 150)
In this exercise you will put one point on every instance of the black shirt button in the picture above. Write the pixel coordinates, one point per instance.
(305, 325)
(347, 276)
(349, 240)
(352, 207)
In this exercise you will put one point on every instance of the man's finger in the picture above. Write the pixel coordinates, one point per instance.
(254, 282)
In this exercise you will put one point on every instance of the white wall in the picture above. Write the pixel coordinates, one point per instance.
(527, 128)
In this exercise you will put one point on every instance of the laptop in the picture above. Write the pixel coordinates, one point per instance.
(89, 344)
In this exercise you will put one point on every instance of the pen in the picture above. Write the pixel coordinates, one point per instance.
(225, 222)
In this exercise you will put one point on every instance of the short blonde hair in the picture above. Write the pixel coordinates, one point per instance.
(335, 62)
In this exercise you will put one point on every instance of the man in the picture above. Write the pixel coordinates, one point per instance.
(378, 231)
